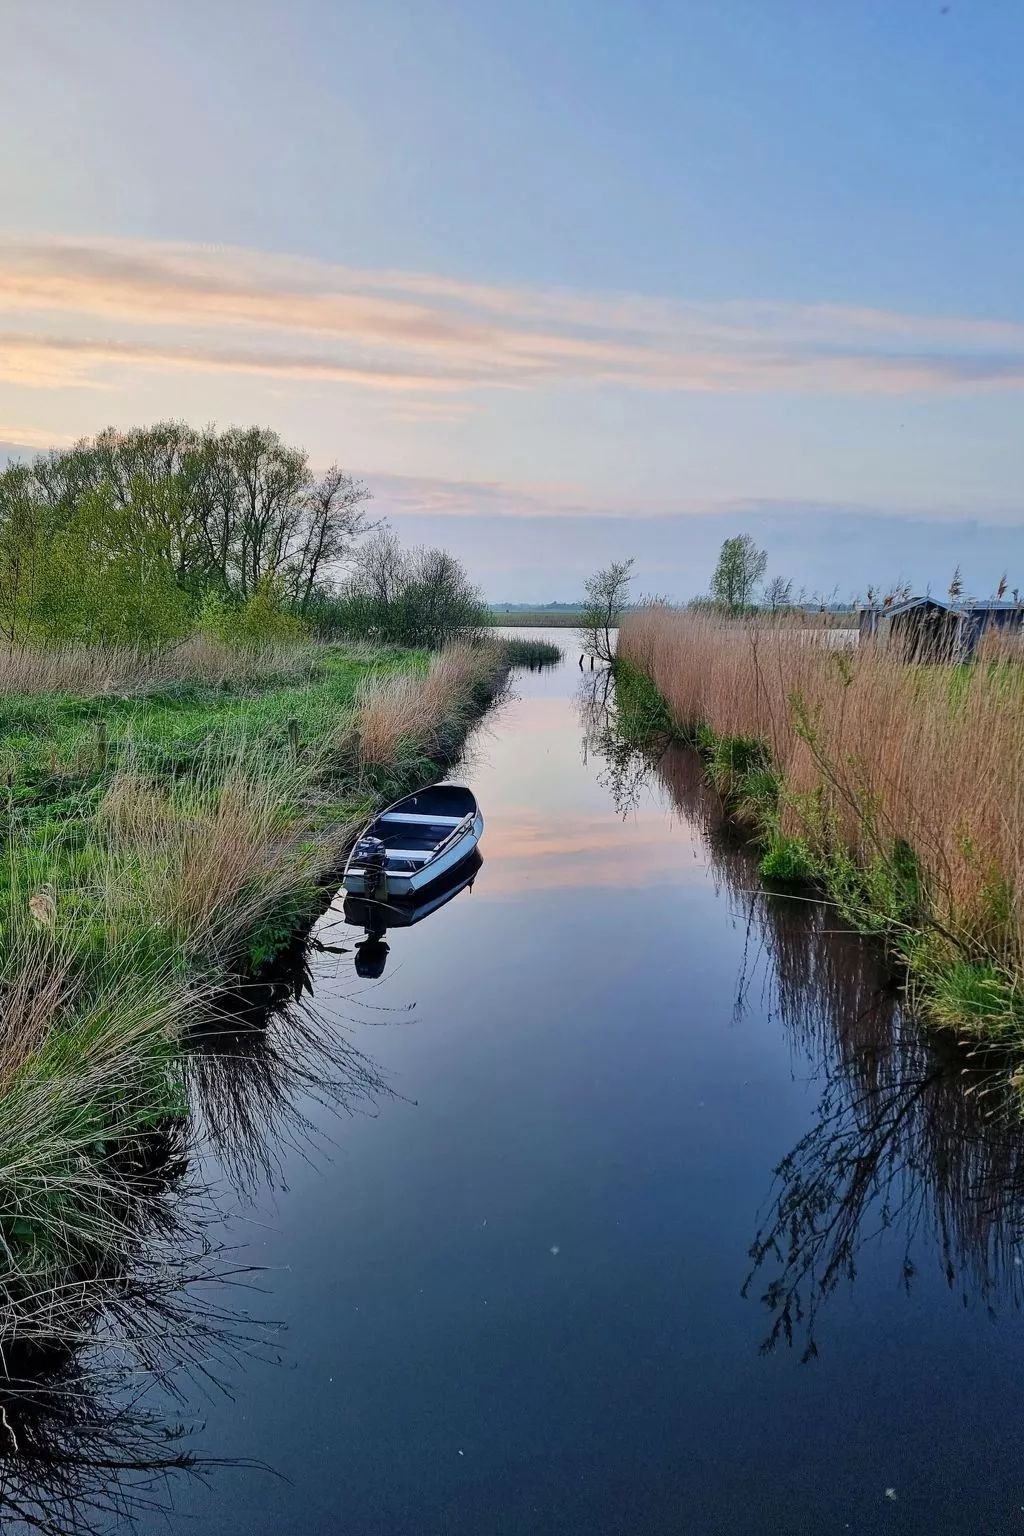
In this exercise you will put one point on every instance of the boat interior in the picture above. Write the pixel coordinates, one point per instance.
(413, 829)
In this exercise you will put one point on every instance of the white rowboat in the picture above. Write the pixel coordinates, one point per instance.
(414, 842)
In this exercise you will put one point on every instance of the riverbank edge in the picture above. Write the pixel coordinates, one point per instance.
(947, 985)
(96, 1105)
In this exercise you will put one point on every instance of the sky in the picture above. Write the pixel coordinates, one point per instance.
(562, 280)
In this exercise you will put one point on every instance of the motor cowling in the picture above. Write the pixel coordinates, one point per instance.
(369, 850)
(371, 853)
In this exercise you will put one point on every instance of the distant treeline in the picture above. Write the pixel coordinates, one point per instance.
(143, 536)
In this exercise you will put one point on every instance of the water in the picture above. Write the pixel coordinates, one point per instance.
(510, 1244)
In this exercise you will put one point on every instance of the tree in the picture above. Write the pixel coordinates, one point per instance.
(740, 567)
(778, 593)
(168, 518)
(402, 596)
(606, 593)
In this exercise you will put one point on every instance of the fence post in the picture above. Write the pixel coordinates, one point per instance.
(293, 737)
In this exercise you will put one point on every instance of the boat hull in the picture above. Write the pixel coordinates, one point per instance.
(411, 882)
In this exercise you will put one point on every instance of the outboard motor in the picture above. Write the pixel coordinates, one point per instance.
(371, 854)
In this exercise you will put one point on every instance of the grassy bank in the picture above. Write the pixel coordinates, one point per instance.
(168, 824)
(897, 787)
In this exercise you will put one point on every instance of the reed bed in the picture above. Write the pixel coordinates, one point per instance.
(901, 784)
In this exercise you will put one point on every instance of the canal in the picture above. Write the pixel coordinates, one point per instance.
(624, 1200)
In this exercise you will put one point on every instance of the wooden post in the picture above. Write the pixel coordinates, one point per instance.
(293, 738)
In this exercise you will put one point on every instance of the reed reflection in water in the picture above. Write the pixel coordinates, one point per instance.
(914, 1143)
(97, 1427)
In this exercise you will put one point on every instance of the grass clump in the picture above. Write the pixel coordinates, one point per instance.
(532, 653)
(787, 860)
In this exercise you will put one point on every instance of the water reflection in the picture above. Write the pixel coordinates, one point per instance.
(92, 1426)
(263, 1064)
(913, 1142)
(376, 916)
(91, 1430)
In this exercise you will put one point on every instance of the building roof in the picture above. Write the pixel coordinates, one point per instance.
(969, 605)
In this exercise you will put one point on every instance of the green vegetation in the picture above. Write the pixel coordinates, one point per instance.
(166, 829)
(396, 596)
(534, 618)
(141, 538)
(531, 653)
(950, 979)
(736, 576)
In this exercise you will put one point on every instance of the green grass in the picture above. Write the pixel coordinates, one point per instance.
(532, 653)
(535, 618)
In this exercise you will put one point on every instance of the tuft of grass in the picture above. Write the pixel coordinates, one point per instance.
(976, 998)
(532, 653)
(787, 859)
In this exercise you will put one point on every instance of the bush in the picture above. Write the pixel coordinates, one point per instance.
(259, 621)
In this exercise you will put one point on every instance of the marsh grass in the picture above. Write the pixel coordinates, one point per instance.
(532, 653)
(142, 867)
(897, 784)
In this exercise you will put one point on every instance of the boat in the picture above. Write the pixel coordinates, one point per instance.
(414, 843)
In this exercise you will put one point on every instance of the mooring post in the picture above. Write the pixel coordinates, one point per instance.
(591, 663)
(581, 661)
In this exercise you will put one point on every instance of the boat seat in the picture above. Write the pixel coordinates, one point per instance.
(414, 855)
(415, 818)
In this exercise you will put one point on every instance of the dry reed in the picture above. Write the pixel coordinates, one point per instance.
(870, 750)
(401, 712)
(96, 670)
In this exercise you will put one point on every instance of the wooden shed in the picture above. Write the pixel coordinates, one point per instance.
(928, 629)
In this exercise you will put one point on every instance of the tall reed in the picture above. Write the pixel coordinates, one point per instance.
(97, 670)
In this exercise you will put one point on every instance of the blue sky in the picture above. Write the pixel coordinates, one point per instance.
(561, 281)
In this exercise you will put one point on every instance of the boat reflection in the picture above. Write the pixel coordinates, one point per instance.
(915, 1141)
(376, 917)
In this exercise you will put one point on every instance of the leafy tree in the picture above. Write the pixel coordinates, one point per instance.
(606, 594)
(740, 567)
(127, 534)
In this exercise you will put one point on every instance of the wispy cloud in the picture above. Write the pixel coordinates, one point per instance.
(32, 437)
(76, 311)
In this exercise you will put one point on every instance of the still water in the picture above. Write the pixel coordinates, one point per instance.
(624, 1201)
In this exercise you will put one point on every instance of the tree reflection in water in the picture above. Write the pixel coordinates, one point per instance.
(913, 1139)
(93, 1429)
